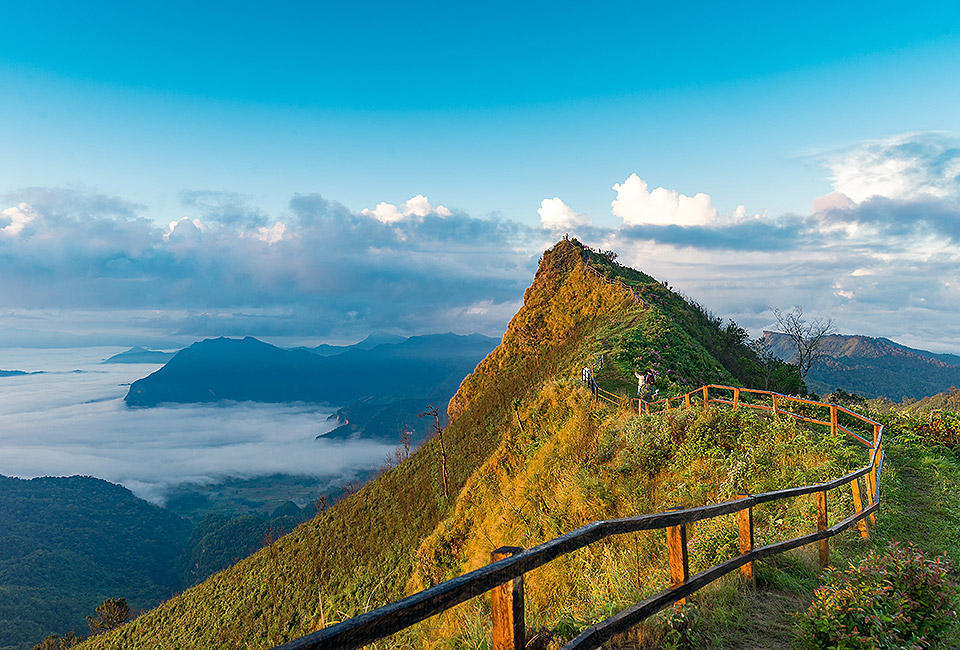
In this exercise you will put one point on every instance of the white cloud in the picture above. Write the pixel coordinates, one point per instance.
(185, 229)
(636, 205)
(87, 430)
(418, 206)
(830, 202)
(556, 215)
(908, 166)
(271, 235)
(19, 217)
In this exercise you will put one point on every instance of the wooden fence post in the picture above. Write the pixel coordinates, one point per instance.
(736, 398)
(745, 530)
(509, 632)
(677, 554)
(872, 482)
(824, 544)
(858, 504)
(686, 399)
(776, 415)
(706, 396)
(833, 419)
(876, 433)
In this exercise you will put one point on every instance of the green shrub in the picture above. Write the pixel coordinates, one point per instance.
(680, 628)
(900, 599)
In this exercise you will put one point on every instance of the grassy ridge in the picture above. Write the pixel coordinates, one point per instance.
(567, 462)
(399, 532)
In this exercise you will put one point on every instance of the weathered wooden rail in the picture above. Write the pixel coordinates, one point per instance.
(505, 574)
(613, 281)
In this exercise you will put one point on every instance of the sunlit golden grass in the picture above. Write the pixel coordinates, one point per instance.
(568, 462)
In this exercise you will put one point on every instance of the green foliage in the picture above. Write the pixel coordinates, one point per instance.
(113, 613)
(684, 343)
(66, 544)
(681, 627)
(57, 642)
(935, 427)
(900, 599)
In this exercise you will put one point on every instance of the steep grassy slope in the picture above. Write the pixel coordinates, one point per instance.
(388, 538)
(568, 461)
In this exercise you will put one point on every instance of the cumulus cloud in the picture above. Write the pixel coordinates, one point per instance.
(881, 262)
(636, 205)
(418, 206)
(555, 215)
(879, 254)
(14, 220)
(911, 166)
(322, 265)
(272, 234)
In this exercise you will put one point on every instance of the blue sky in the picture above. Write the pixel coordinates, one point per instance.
(118, 119)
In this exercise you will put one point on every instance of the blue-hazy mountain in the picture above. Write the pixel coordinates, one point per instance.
(874, 367)
(248, 369)
(138, 354)
(372, 341)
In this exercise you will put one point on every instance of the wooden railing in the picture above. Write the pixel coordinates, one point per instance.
(613, 281)
(600, 393)
(505, 574)
(778, 405)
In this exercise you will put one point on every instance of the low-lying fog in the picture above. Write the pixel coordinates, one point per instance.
(61, 423)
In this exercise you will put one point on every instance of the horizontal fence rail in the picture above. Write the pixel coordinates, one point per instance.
(613, 281)
(389, 619)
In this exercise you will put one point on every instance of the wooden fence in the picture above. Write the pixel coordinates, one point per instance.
(505, 574)
(614, 281)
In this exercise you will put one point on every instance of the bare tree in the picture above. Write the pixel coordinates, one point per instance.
(806, 337)
(432, 412)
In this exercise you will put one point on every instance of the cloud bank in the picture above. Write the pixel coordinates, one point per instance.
(63, 423)
(228, 268)
(878, 253)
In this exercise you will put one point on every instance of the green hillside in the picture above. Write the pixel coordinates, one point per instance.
(528, 444)
(68, 544)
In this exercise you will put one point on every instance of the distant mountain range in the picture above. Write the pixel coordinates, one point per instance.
(372, 341)
(138, 354)
(874, 367)
(249, 369)
(382, 382)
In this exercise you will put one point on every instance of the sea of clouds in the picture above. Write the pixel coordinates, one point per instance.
(63, 422)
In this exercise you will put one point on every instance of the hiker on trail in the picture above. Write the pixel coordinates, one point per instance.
(641, 382)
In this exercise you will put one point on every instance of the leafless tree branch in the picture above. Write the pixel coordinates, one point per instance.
(806, 337)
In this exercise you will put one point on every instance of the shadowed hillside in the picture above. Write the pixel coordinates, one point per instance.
(67, 544)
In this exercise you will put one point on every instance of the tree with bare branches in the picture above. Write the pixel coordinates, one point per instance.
(433, 412)
(806, 336)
